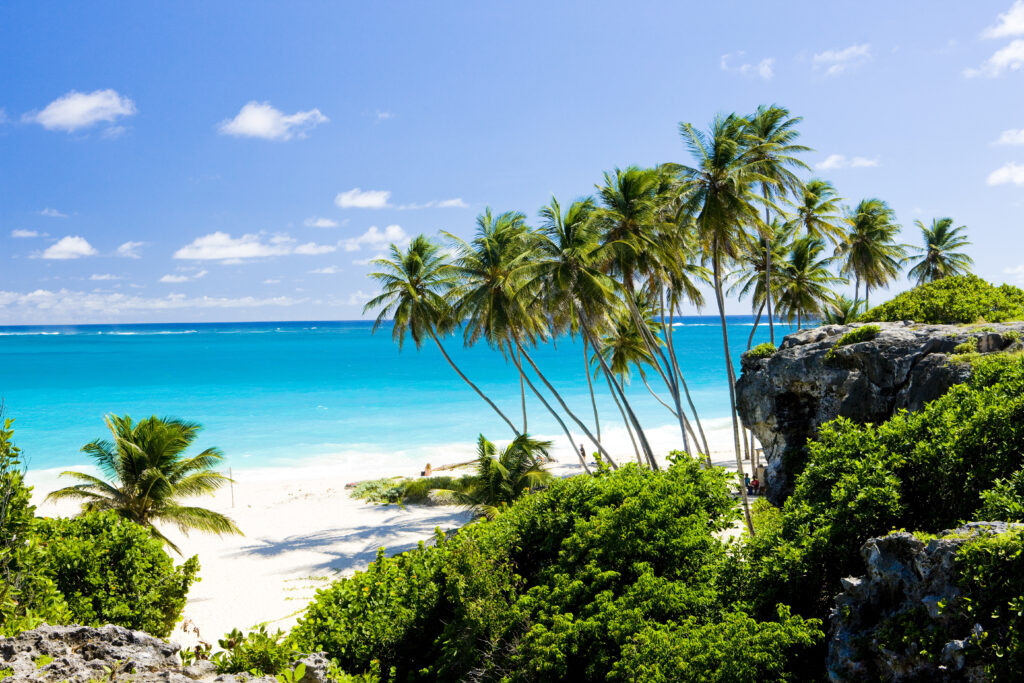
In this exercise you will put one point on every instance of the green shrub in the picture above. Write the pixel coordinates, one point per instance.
(112, 571)
(402, 490)
(969, 346)
(855, 336)
(952, 300)
(258, 652)
(766, 350)
(1011, 336)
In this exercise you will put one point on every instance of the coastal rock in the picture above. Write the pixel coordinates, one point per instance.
(79, 654)
(906, 581)
(786, 397)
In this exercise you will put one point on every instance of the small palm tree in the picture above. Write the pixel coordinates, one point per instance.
(804, 281)
(869, 250)
(149, 475)
(940, 258)
(841, 310)
(501, 476)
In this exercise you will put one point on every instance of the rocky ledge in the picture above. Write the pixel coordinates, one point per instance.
(79, 654)
(882, 620)
(785, 397)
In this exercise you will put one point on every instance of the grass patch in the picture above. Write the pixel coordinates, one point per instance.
(854, 336)
(766, 350)
(42, 660)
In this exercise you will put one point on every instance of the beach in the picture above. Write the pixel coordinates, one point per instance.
(303, 530)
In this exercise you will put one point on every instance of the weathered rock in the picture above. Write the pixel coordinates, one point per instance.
(79, 654)
(786, 397)
(906, 581)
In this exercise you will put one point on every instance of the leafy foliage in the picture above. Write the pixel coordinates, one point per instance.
(258, 652)
(855, 336)
(403, 490)
(766, 350)
(952, 300)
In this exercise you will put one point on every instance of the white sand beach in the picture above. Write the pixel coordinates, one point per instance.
(303, 530)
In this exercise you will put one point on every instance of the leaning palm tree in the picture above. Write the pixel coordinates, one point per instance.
(416, 284)
(869, 250)
(805, 281)
(817, 211)
(939, 256)
(842, 310)
(148, 476)
(501, 476)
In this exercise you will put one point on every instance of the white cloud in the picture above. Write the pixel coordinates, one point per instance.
(22, 234)
(131, 250)
(455, 203)
(1011, 137)
(326, 270)
(319, 222)
(834, 161)
(220, 246)
(77, 110)
(835, 62)
(1009, 58)
(271, 282)
(1010, 24)
(367, 261)
(376, 238)
(175, 279)
(70, 247)
(104, 277)
(260, 120)
(1017, 272)
(52, 213)
(384, 115)
(358, 199)
(763, 69)
(358, 298)
(312, 249)
(1010, 173)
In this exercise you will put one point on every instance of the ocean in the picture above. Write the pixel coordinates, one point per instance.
(290, 394)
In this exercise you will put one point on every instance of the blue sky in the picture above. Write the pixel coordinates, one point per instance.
(243, 160)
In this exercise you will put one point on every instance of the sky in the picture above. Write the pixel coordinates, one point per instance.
(229, 161)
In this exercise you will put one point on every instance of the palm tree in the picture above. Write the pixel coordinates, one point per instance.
(804, 281)
(841, 310)
(719, 195)
(940, 258)
(774, 132)
(751, 275)
(501, 476)
(416, 284)
(817, 212)
(148, 475)
(869, 250)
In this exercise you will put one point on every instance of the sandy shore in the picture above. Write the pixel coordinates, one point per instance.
(303, 530)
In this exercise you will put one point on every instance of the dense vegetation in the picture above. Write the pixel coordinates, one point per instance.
(952, 300)
(93, 570)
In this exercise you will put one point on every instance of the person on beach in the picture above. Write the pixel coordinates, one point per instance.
(755, 486)
(583, 452)
(746, 482)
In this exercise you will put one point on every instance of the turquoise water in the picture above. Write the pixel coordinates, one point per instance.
(273, 394)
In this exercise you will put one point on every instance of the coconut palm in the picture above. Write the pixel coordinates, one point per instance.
(939, 256)
(148, 475)
(751, 273)
(415, 287)
(774, 133)
(719, 193)
(869, 250)
(841, 310)
(805, 280)
(501, 476)
(817, 211)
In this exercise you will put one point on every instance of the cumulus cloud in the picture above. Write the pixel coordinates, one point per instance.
(1009, 58)
(733, 63)
(182, 277)
(260, 120)
(326, 270)
(1017, 273)
(52, 213)
(835, 161)
(384, 115)
(1011, 173)
(70, 247)
(1011, 137)
(358, 298)
(104, 277)
(320, 222)
(375, 238)
(272, 281)
(220, 246)
(23, 234)
(454, 203)
(78, 110)
(131, 250)
(1010, 23)
(359, 199)
(368, 260)
(835, 62)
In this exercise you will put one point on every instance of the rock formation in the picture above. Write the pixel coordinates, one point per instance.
(784, 398)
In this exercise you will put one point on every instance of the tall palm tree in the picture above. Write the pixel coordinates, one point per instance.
(720, 196)
(805, 280)
(939, 256)
(774, 133)
(148, 476)
(501, 476)
(841, 310)
(751, 274)
(869, 251)
(817, 211)
(415, 287)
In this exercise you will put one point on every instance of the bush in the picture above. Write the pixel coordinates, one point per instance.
(258, 652)
(401, 490)
(952, 300)
(766, 350)
(112, 571)
(855, 336)
(969, 346)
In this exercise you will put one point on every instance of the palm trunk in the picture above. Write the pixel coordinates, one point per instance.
(658, 398)
(554, 413)
(475, 387)
(565, 407)
(625, 420)
(693, 408)
(731, 374)
(522, 394)
(757, 321)
(673, 367)
(856, 289)
(590, 385)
